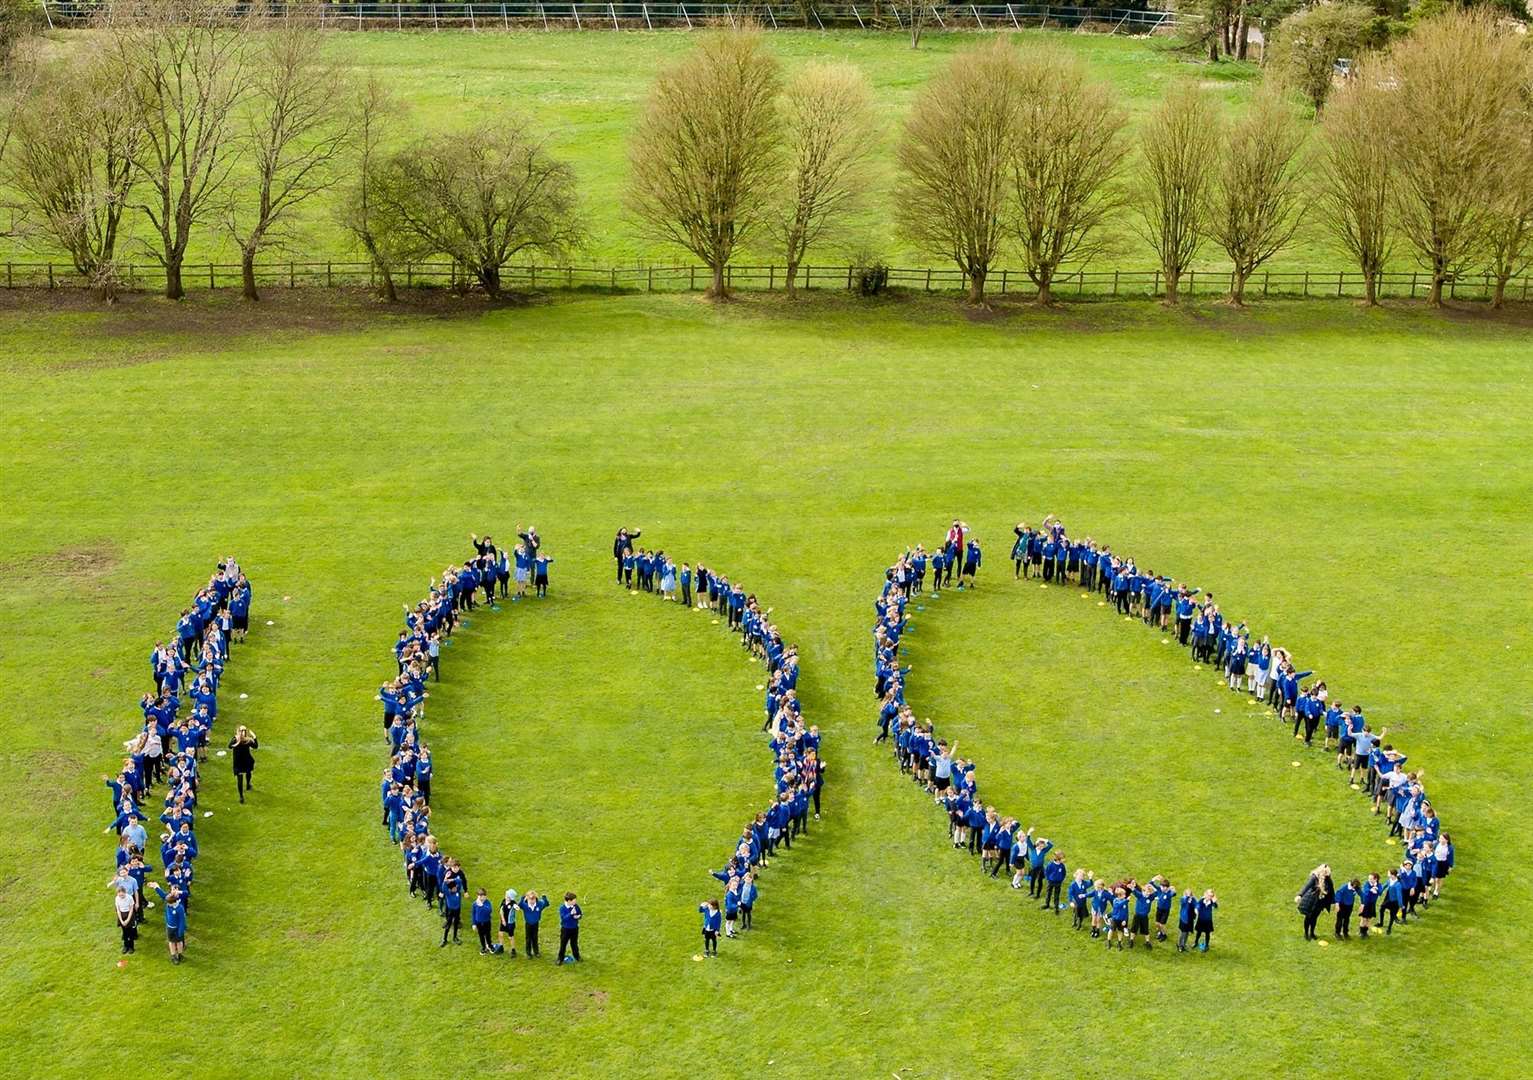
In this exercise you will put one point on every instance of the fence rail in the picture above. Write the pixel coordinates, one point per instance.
(643, 15)
(1086, 284)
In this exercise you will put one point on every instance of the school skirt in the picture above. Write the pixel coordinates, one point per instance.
(1370, 909)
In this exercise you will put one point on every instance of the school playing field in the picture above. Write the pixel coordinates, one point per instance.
(1356, 483)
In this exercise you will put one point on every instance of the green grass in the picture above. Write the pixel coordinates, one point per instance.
(584, 90)
(1353, 482)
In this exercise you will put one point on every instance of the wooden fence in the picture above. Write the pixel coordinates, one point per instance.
(643, 15)
(1084, 284)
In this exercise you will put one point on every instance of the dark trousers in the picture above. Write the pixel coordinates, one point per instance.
(1051, 899)
(569, 938)
(242, 782)
(1310, 919)
(710, 942)
(484, 934)
(686, 593)
(1343, 922)
(452, 922)
(745, 916)
(1035, 881)
(531, 942)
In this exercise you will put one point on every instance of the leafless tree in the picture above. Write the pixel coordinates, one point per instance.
(294, 135)
(1509, 234)
(830, 139)
(1257, 193)
(1456, 81)
(375, 114)
(1180, 146)
(185, 62)
(955, 158)
(1355, 175)
(1070, 149)
(480, 198)
(706, 156)
(71, 160)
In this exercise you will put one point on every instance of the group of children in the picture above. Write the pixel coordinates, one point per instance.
(1120, 911)
(798, 772)
(1268, 675)
(170, 748)
(438, 878)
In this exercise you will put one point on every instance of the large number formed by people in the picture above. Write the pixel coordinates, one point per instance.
(798, 770)
(170, 748)
(1249, 665)
(437, 878)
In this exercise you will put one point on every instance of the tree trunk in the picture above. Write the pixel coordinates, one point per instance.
(1498, 299)
(790, 277)
(247, 274)
(977, 286)
(489, 277)
(716, 289)
(1371, 289)
(1045, 290)
(389, 292)
(1242, 37)
(1238, 288)
(173, 289)
(1173, 279)
(1435, 297)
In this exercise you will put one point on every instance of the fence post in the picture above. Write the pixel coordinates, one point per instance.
(1453, 288)
(691, 277)
(771, 275)
(1155, 284)
(1003, 282)
(329, 275)
(848, 277)
(1192, 275)
(928, 279)
(1413, 284)
(212, 284)
(1266, 279)
(1115, 283)
(1339, 278)
(409, 272)
(614, 279)
(1306, 284)
(50, 275)
(1524, 282)
(8, 279)
(808, 273)
(651, 279)
(292, 275)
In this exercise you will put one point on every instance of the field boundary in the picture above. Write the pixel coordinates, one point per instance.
(643, 15)
(1082, 284)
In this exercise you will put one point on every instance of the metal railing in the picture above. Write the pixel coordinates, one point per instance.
(641, 14)
(1083, 284)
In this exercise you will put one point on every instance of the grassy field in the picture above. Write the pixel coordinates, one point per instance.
(584, 90)
(1354, 482)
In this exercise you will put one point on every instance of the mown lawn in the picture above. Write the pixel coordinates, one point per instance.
(1354, 482)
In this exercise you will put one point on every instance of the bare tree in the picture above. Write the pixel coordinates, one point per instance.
(374, 115)
(1256, 196)
(831, 134)
(955, 157)
(185, 62)
(480, 198)
(1309, 43)
(71, 161)
(1456, 81)
(706, 155)
(1509, 235)
(294, 136)
(1180, 146)
(1070, 148)
(915, 16)
(1355, 175)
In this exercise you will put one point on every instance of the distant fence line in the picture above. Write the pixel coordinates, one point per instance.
(631, 15)
(1090, 284)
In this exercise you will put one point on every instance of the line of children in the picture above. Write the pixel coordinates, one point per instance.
(1266, 675)
(171, 747)
(405, 789)
(1119, 911)
(798, 772)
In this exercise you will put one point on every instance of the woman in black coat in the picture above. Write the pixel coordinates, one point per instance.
(1318, 894)
(243, 747)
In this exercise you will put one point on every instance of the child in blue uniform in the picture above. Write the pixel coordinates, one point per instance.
(712, 918)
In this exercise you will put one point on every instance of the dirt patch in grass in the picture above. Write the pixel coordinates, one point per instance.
(73, 569)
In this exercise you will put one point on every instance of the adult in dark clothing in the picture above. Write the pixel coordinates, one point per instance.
(243, 747)
(622, 544)
(1317, 896)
